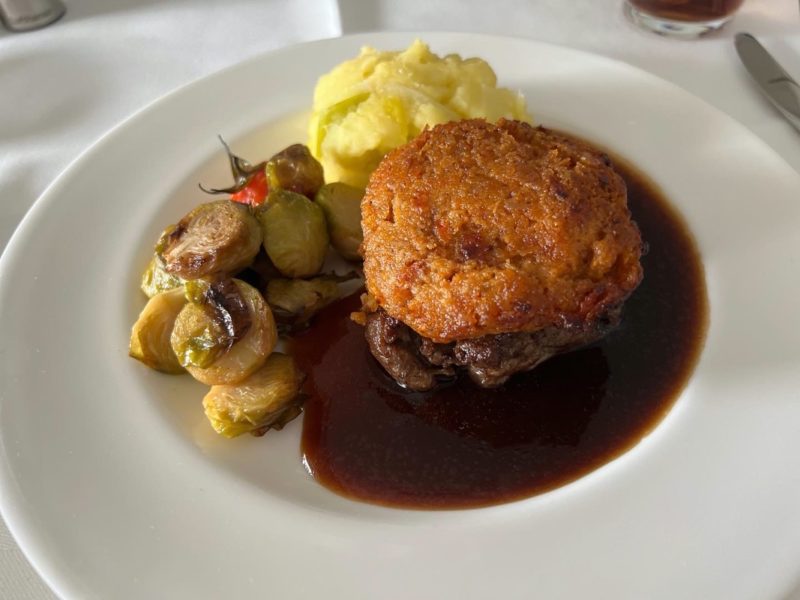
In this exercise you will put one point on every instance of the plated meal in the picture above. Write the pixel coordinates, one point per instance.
(489, 246)
(109, 467)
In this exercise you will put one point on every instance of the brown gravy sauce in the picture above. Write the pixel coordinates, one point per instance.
(462, 446)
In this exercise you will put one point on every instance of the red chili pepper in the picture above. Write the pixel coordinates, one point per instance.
(255, 192)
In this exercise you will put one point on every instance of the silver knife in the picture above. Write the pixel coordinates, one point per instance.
(777, 85)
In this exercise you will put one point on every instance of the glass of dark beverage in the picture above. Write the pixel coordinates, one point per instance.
(681, 18)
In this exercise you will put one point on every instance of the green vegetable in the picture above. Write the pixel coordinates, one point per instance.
(216, 318)
(294, 232)
(269, 398)
(342, 206)
(295, 301)
(216, 238)
(200, 340)
(156, 280)
(150, 336)
(219, 345)
(294, 169)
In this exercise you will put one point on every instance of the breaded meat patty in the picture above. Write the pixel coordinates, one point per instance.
(474, 230)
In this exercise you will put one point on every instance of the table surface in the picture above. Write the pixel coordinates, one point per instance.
(62, 87)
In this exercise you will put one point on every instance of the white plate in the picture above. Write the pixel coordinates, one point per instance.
(115, 487)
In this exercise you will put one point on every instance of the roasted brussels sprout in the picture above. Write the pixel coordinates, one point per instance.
(156, 280)
(294, 232)
(294, 301)
(209, 337)
(215, 238)
(215, 320)
(199, 339)
(294, 169)
(150, 337)
(269, 398)
(342, 206)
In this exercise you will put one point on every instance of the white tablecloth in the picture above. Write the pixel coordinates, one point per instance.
(64, 86)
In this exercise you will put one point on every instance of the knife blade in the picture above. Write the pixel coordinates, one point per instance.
(776, 84)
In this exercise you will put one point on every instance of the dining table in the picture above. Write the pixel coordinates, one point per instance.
(64, 86)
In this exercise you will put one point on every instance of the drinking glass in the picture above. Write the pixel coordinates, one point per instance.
(681, 18)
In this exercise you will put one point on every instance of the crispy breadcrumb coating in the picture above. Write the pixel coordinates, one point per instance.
(474, 229)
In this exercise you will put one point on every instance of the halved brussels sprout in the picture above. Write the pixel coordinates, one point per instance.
(200, 339)
(294, 301)
(342, 206)
(150, 336)
(295, 234)
(294, 169)
(156, 280)
(202, 336)
(215, 238)
(215, 320)
(267, 399)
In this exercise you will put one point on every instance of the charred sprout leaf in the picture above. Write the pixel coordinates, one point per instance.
(215, 238)
(156, 280)
(224, 302)
(216, 318)
(294, 232)
(199, 338)
(241, 170)
(150, 337)
(260, 271)
(294, 301)
(265, 268)
(294, 169)
(342, 206)
(267, 398)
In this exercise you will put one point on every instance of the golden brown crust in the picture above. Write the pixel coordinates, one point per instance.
(473, 229)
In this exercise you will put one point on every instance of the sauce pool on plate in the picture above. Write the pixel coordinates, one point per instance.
(463, 446)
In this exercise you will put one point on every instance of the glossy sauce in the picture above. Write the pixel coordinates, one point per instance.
(462, 446)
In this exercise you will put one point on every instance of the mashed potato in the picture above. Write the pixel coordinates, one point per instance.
(371, 104)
